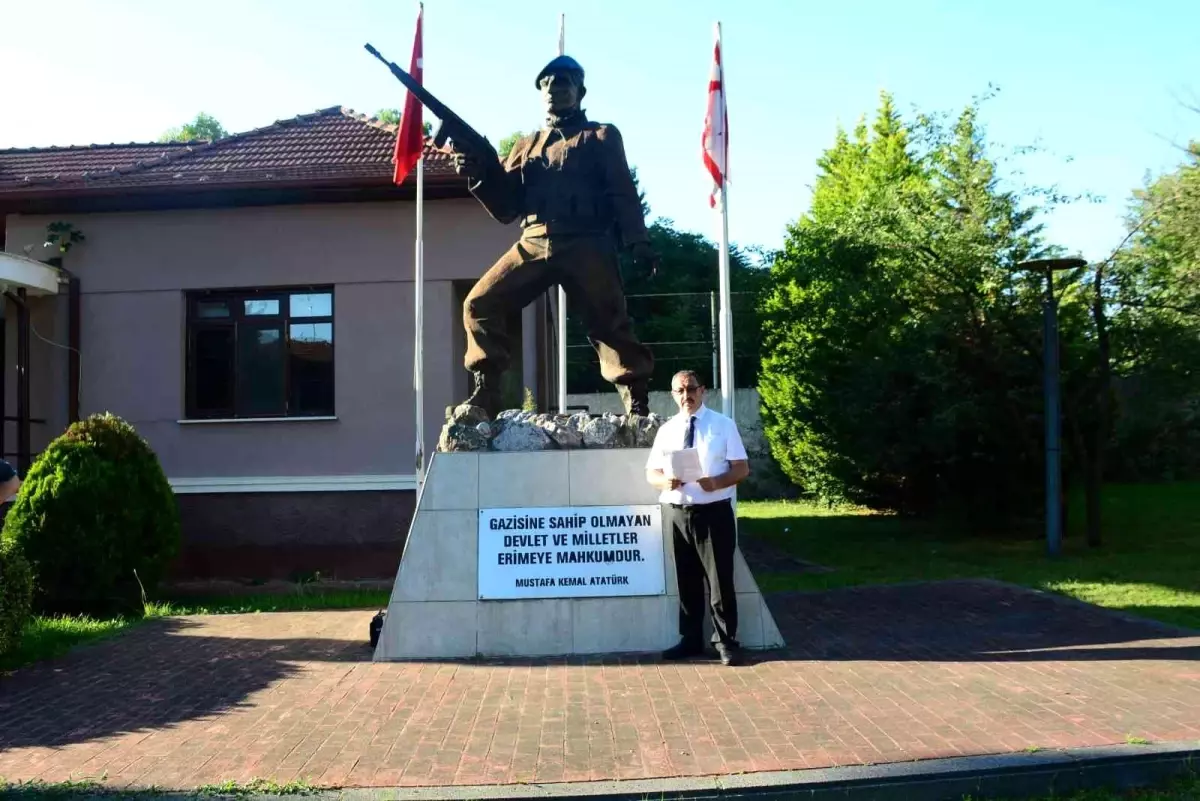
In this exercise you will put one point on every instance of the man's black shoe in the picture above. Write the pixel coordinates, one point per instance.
(682, 650)
(730, 654)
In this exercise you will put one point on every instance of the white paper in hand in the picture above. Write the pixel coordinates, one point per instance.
(684, 465)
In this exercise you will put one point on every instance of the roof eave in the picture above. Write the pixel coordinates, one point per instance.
(98, 197)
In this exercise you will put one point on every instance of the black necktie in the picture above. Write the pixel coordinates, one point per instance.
(690, 439)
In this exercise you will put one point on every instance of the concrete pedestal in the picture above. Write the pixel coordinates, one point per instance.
(435, 610)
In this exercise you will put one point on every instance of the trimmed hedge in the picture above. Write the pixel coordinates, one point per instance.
(16, 589)
(96, 519)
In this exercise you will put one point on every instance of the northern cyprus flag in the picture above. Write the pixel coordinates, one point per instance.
(716, 126)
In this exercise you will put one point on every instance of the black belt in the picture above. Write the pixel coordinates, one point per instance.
(697, 505)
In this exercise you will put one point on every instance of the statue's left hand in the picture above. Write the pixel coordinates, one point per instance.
(643, 253)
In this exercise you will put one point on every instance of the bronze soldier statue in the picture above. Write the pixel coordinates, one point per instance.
(570, 187)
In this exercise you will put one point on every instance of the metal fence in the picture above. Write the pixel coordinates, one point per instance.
(680, 328)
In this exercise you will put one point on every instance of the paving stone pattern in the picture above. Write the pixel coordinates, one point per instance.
(870, 675)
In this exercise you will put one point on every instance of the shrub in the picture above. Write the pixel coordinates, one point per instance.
(96, 519)
(16, 586)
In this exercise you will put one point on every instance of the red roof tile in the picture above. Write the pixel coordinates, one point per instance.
(328, 146)
(70, 163)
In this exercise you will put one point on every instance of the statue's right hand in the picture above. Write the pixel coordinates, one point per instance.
(467, 165)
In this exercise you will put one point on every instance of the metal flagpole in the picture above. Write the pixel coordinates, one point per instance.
(562, 295)
(419, 291)
(716, 163)
(419, 301)
(726, 319)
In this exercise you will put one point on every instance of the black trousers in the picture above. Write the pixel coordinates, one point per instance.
(586, 267)
(705, 539)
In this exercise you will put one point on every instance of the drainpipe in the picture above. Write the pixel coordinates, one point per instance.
(73, 337)
(3, 371)
(23, 455)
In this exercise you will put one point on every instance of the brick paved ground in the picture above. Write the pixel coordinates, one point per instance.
(871, 675)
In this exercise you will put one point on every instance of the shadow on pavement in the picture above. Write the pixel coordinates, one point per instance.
(166, 672)
(968, 620)
(154, 676)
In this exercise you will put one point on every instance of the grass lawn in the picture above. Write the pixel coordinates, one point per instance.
(47, 638)
(1187, 789)
(1149, 564)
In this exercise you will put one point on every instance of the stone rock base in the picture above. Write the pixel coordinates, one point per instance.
(468, 428)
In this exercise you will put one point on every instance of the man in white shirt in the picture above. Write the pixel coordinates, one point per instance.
(10, 483)
(699, 517)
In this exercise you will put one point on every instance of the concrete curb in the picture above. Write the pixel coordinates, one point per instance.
(1002, 776)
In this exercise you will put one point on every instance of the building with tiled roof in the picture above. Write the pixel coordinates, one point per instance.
(327, 151)
(248, 306)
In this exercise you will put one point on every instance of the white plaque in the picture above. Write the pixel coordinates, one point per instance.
(571, 552)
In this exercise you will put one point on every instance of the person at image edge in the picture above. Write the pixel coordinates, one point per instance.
(10, 482)
(699, 517)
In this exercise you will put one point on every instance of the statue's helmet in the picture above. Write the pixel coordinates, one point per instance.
(560, 64)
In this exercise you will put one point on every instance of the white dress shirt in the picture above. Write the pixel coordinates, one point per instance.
(716, 439)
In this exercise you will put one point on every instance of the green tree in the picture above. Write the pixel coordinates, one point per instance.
(203, 127)
(391, 116)
(1159, 271)
(1151, 290)
(508, 142)
(901, 351)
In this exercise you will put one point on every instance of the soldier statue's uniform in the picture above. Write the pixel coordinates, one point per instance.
(570, 187)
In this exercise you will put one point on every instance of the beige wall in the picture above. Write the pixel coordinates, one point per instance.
(135, 266)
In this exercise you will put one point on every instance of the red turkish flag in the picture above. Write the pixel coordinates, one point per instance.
(410, 139)
(716, 127)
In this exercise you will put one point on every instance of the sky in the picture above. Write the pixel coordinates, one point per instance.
(1099, 85)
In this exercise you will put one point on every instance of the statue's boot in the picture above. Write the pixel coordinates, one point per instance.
(635, 397)
(487, 393)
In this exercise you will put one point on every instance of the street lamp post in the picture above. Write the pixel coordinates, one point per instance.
(1050, 383)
